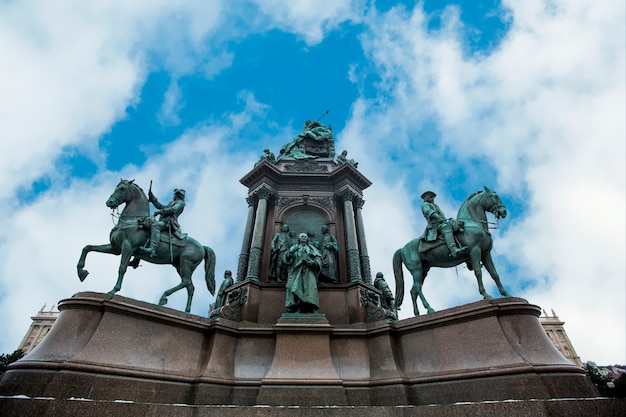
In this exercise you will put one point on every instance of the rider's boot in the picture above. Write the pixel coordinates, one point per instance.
(451, 243)
(155, 238)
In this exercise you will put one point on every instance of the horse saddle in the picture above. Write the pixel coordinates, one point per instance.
(165, 238)
(425, 245)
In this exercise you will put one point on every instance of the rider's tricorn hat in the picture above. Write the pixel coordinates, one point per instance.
(427, 193)
(180, 192)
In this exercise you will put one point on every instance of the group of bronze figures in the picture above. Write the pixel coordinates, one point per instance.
(321, 144)
(284, 245)
(300, 262)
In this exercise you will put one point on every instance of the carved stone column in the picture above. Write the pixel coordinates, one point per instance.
(352, 250)
(258, 236)
(242, 266)
(365, 259)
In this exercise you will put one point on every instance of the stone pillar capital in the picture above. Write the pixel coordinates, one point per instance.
(346, 195)
(265, 193)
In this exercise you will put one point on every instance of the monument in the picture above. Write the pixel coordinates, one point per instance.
(301, 323)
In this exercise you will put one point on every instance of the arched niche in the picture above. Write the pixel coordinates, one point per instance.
(305, 220)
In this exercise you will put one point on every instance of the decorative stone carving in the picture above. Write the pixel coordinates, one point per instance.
(370, 301)
(306, 166)
(232, 310)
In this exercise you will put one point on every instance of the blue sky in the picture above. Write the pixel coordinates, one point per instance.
(523, 97)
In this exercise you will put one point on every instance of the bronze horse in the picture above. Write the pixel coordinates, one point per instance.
(128, 235)
(475, 236)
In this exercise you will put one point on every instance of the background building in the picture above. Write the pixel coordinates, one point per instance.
(555, 331)
(39, 328)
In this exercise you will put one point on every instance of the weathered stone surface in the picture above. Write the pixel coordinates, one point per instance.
(49, 407)
(107, 348)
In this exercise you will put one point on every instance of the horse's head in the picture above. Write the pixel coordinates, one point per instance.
(120, 194)
(493, 204)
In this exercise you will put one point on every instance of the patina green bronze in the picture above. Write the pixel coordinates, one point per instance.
(301, 288)
(419, 255)
(314, 133)
(343, 159)
(438, 225)
(220, 298)
(329, 248)
(267, 156)
(130, 234)
(168, 221)
(281, 242)
(387, 300)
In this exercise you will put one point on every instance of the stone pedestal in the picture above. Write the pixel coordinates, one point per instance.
(105, 348)
(302, 363)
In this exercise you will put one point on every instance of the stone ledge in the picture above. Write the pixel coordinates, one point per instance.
(17, 406)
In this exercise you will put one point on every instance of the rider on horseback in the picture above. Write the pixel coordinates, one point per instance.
(168, 220)
(437, 222)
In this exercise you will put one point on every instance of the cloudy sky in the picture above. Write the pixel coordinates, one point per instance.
(527, 98)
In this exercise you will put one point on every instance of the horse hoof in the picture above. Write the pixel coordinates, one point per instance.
(431, 311)
(487, 297)
(163, 301)
(82, 274)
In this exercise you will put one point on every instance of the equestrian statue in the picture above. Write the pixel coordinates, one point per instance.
(451, 242)
(156, 241)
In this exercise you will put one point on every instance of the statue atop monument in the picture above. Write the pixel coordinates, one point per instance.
(267, 156)
(343, 158)
(315, 140)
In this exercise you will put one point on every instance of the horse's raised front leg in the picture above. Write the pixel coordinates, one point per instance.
(107, 248)
(491, 269)
(477, 267)
(127, 251)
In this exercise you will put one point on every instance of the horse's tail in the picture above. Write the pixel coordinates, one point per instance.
(397, 272)
(209, 269)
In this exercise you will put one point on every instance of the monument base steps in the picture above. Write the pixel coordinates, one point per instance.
(49, 407)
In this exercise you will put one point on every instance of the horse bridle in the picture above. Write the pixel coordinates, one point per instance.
(119, 200)
(494, 207)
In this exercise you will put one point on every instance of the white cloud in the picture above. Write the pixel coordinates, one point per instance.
(171, 105)
(311, 19)
(546, 109)
(71, 68)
